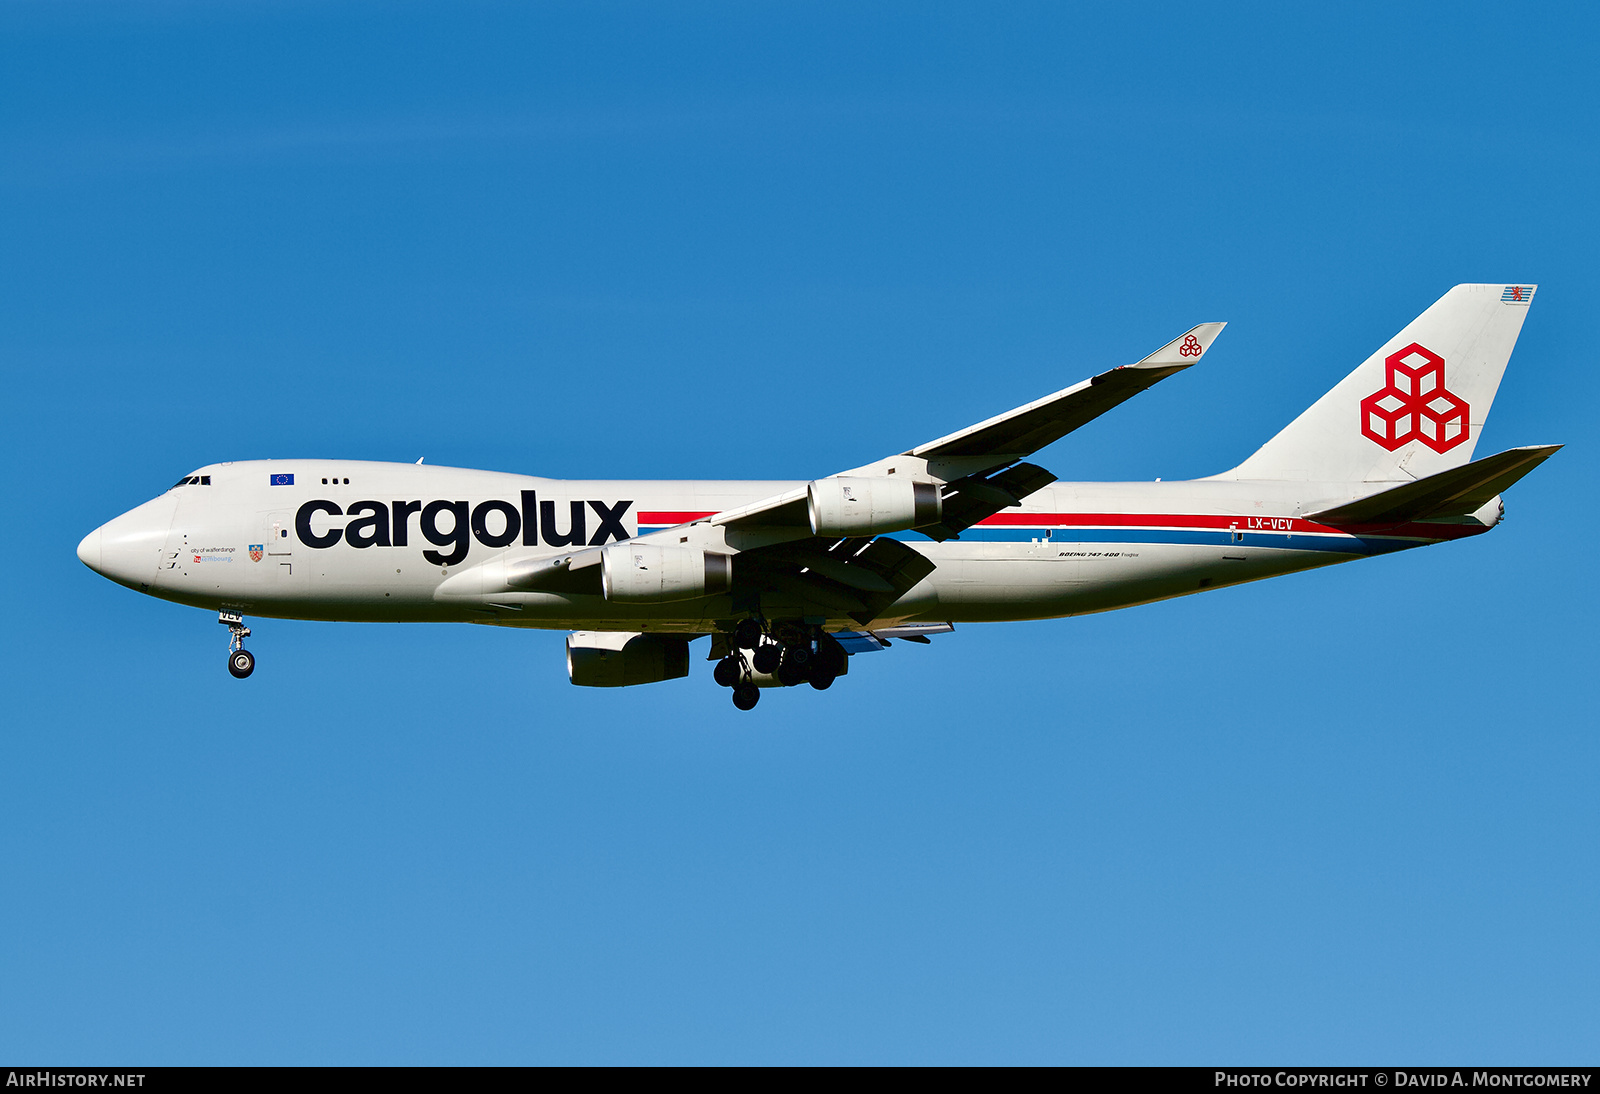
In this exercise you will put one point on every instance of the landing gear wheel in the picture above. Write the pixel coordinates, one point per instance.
(767, 656)
(241, 662)
(747, 634)
(727, 672)
(800, 655)
(746, 696)
(789, 674)
(822, 681)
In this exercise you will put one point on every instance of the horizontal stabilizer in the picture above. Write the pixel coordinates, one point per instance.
(1457, 492)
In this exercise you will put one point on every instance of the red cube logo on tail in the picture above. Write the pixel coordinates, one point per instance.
(1414, 404)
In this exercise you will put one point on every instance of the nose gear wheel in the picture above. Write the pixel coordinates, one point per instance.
(241, 662)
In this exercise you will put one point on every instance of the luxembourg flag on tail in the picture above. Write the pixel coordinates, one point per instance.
(1517, 294)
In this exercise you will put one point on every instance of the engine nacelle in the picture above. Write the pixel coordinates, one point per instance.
(651, 573)
(619, 659)
(871, 507)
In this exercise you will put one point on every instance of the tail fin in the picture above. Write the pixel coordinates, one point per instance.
(1414, 408)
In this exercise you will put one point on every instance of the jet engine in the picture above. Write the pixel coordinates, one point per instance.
(871, 507)
(651, 573)
(619, 659)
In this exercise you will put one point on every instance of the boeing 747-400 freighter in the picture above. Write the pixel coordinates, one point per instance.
(788, 579)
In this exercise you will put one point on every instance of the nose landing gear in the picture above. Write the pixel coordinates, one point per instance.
(241, 662)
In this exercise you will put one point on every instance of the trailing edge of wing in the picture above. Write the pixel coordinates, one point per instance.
(1457, 492)
(1020, 432)
(857, 577)
(971, 499)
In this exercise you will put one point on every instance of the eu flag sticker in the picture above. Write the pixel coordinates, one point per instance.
(282, 480)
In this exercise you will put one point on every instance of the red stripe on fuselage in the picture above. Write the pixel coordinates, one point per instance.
(671, 517)
(1223, 522)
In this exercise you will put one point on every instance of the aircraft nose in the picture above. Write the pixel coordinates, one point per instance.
(126, 549)
(89, 550)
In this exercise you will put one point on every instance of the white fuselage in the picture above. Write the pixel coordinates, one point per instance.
(351, 540)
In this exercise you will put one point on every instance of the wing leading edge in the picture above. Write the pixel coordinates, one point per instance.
(1009, 437)
(975, 465)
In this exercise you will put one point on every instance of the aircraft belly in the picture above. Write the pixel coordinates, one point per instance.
(987, 583)
(1001, 573)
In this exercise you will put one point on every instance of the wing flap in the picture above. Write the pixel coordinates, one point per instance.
(971, 499)
(858, 577)
(871, 641)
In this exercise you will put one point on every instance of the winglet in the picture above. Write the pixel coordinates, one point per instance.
(1184, 350)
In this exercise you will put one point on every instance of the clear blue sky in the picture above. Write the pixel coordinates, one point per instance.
(1347, 816)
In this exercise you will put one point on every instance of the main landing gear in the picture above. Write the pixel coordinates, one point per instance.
(241, 662)
(784, 655)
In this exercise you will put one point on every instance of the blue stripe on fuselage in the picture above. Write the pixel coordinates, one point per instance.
(1194, 537)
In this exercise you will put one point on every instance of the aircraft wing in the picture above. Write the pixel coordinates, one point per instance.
(1009, 437)
(977, 471)
(978, 466)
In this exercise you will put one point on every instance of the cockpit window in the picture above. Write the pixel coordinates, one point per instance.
(192, 480)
